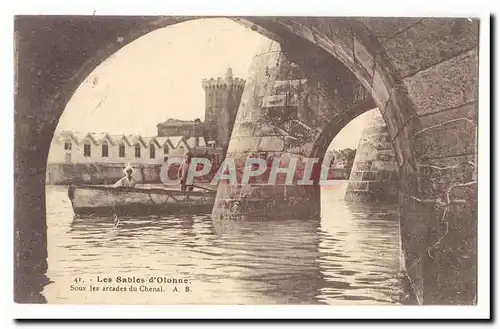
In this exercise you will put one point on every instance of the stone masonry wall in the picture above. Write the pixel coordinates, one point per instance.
(64, 174)
(374, 175)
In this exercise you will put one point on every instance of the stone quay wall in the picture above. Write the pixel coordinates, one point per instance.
(88, 173)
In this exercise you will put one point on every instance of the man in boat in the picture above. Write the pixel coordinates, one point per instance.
(183, 171)
(127, 180)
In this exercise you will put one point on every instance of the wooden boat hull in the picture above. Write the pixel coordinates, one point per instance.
(104, 201)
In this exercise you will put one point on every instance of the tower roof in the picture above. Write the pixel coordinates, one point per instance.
(229, 72)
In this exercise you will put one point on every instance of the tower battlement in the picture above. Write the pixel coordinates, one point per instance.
(222, 99)
(223, 83)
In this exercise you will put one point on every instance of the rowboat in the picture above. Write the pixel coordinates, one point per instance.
(99, 200)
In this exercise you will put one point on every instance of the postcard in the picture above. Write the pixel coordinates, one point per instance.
(256, 160)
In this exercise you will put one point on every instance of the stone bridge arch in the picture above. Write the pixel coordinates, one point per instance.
(421, 74)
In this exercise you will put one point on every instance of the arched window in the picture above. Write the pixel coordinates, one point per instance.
(137, 150)
(152, 153)
(105, 149)
(121, 150)
(67, 145)
(86, 149)
(165, 149)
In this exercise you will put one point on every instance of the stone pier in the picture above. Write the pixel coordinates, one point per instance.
(374, 175)
(269, 110)
(284, 109)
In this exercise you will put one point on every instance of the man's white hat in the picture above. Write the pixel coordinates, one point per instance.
(127, 168)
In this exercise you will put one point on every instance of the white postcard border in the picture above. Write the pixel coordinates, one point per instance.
(303, 8)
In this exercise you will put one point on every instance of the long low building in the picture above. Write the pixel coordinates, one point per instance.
(99, 158)
(74, 147)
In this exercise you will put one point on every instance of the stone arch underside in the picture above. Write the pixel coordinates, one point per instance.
(421, 74)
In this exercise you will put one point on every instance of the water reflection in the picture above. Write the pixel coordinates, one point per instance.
(276, 260)
(351, 255)
(360, 253)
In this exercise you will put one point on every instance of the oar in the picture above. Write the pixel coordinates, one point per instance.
(203, 188)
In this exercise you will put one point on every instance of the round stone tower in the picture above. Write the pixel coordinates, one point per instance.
(222, 99)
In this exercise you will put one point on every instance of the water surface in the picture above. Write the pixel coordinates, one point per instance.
(350, 256)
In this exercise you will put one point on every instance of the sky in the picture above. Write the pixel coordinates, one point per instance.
(158, 76)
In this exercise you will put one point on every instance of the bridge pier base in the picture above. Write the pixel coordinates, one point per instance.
(267, 202)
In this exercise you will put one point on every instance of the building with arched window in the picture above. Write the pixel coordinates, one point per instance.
(105, 149)
(152, 151)
(121, 150)
(87, 150)
(137, 150)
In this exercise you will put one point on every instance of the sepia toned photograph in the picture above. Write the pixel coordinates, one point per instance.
(257, 160)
